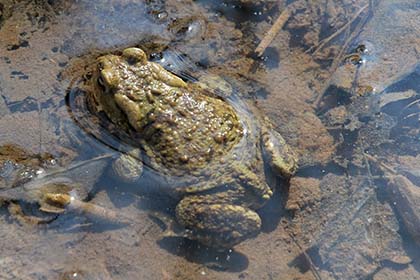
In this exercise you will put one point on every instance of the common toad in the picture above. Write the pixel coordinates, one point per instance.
(210, 150)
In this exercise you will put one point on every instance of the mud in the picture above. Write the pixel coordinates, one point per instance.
(335, 219)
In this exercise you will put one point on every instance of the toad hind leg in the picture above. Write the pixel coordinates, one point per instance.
(221, 225)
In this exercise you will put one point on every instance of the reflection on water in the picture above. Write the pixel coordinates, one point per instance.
(339, 81)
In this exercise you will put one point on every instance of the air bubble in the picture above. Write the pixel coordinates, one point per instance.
(6, 169)
(162, 15)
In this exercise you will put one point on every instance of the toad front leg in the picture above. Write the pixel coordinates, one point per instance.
(278, 154)
(128, 166)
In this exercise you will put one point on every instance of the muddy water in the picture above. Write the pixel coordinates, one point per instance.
(339, 81)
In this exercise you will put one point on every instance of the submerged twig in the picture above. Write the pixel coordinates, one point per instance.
(339, 31)
(383, 165)
(338, 58)
(93, 211)
(271, 34)
(308, 258)
(405, 197)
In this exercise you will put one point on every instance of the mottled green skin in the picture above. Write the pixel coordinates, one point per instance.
(209, 151)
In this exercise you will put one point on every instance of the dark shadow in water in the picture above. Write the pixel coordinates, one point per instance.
(334, 97)
(320, 170)
(227, 260)
(270, 59)
(385, 194)
(410, 246)
(406, 111)
(239, 13)
(411, 81)
(305, 261)
(146, 193)
(274, 210)
(414, 253)
(75, 223)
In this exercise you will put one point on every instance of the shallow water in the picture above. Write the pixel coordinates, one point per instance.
(339, 82)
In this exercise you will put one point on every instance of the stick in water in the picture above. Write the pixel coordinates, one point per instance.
(271, 34)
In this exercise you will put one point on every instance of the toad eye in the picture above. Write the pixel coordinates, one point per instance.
(100, 66)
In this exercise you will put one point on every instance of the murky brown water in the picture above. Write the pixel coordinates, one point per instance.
(339, 81)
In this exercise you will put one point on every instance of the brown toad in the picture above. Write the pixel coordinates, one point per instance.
(209, 151)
